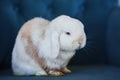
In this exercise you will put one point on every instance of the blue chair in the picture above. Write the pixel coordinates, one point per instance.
(99, 60)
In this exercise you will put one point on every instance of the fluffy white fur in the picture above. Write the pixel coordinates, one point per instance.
(56, 42)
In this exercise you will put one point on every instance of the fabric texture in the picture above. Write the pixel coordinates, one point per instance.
(78, 73)
(113, 37)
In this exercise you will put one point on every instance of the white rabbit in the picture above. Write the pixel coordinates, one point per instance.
(45, 47)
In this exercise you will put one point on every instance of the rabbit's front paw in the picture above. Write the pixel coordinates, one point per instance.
(55, 73)
(41, 73)
(66, 70)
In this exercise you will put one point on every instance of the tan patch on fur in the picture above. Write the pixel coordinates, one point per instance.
(26, 34)
(32, 50)
(33, 25)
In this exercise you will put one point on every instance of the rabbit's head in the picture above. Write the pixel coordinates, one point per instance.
(64, 34)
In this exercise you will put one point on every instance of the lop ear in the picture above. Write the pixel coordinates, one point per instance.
(50, 46)
(54, 44)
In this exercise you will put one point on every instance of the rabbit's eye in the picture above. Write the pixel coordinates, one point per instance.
(68, 33)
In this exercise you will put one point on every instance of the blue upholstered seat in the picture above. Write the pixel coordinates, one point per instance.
(99, 60)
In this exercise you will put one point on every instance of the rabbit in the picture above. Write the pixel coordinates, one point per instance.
(44, 47)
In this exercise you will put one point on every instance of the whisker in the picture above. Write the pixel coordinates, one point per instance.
(89, 48)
